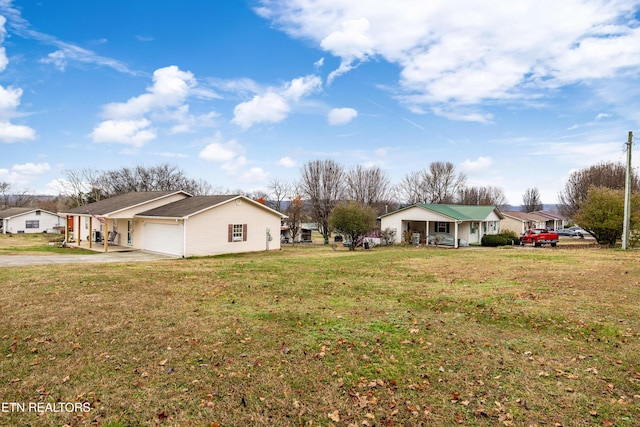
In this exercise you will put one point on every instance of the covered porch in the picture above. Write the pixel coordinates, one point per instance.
(97, 233)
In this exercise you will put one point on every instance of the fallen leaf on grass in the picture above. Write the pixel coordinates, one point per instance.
(334, 416)
(163, 362)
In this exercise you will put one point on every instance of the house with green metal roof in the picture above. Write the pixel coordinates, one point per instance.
(426, 223)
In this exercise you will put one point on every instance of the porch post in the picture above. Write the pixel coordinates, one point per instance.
(90, 231)
(106, 235)
(79, 228)
(455, 234)
(427, 234)
(66, 229)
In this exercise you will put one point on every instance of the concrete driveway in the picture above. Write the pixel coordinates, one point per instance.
(132, 256)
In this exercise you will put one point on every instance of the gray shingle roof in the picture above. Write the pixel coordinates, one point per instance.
(186, 207)
(117, 203)
(8, 213)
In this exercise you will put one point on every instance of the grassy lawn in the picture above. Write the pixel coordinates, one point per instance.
(396, 336)
(36, 244)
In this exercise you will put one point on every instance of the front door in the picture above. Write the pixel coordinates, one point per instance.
(130, 232)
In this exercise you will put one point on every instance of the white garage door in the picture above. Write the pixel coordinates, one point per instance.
(163, 238)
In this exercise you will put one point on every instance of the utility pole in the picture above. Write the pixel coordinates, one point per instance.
(627, 196)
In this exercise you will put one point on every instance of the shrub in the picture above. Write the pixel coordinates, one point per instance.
(494, 240)
(506, 238)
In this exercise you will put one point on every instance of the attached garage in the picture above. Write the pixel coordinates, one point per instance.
(163, 238)
(210, 225)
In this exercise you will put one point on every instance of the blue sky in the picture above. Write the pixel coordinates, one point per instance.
(515, 94)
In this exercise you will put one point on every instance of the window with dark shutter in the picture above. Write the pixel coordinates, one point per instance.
(237, 233)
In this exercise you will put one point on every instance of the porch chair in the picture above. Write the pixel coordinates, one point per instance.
(112, 236)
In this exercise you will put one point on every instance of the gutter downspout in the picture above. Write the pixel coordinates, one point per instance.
(184, 237)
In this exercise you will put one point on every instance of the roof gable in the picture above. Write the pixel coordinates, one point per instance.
(456, 212)
(8, 213)
(462, 212)
(12, 212)
(121, 202)
(191, 206)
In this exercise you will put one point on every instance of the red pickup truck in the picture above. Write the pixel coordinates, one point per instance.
(539, 236)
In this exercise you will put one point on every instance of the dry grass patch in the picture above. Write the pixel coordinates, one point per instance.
(311, 336)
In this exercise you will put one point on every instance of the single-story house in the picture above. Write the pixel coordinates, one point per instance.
(29, 220)
(553, 221)
(176, 223)
(519, 222)
(417, 223)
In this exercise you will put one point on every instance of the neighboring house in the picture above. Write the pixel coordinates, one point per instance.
(303, 235)
(519, 222)
(210, 225)
(461, 222)
(176, 223)
(553, 221)
(29, 220)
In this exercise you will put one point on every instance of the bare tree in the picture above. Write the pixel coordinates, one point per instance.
(482, 196)
(531, 200)
(443, 183)
(438, 184)
(411, 189)
(280, 191)
(368, 186)
(606, 174)
(322, 183)
(5, 189)
(15, 199)
(90, 185)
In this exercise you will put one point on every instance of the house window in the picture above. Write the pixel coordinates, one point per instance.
(442, 227)
(33, 223)
(237, 232)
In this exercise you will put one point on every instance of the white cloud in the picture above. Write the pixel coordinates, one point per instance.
(9, 102)
(221, 152)
(57, 58)
(275, 105)
(170, 88)
(341, 116)
(165, 101)
(301, 87)
(20, 176)
(478, 165)
(268, 108)
(287, 162)
(254, 175)
(467, 53)
(132, 132)
(15, 133)
(4, 61)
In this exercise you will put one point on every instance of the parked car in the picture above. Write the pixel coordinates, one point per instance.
(579, 231)
(567, 232)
